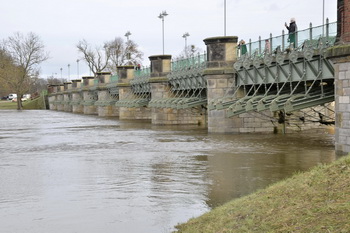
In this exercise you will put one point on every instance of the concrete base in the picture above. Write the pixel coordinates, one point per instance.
(67, 108)
(169, 116)
(52, 105)
(251, 122)
(90, 110)
(340, 56)
(60, 107)
(134, 113)
(78, 109)
(108, 111)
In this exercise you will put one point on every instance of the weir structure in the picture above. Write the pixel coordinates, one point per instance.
(279, 88)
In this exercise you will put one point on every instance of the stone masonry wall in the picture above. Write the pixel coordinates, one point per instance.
(52, 100)
(103, 95)
(169, 116)
(342, 107)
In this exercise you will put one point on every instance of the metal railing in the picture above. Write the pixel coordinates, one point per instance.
(188, 63)
(320, 34)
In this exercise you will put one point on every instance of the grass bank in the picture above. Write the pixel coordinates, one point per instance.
(8, 105)
(314, 201)
(37, 103)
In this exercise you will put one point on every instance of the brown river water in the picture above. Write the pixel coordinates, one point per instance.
(64, 172)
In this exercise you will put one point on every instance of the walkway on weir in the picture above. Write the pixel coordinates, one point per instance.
(277, 78)
(281, 76)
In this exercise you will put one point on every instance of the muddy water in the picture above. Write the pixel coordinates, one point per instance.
(63, 172)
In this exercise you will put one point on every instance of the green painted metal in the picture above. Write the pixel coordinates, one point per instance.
(187, 84)
(320, 34)
(285, 80)
(140, 91)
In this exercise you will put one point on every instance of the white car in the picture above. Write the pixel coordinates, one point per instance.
(12, 96)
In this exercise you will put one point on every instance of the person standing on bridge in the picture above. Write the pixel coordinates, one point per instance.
(242, 47)
(292, 28)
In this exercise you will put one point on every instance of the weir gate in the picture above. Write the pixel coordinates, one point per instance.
(274, 86)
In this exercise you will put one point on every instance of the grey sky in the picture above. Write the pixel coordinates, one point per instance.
(61, 23)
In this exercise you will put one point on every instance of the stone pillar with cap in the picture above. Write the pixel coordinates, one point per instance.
(60, 97)
(52, 95)
(105, 104)
(340, 56)
(222, 54)
(89, 95)
(67, 97)
(161, 90)
(77, 96)
(126, 74)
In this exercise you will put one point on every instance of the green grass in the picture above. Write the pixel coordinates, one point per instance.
(315, 201)
(8, 105)
(29, 104)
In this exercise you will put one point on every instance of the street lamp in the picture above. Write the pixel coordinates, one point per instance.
(323, 19)
(224, 17)
(127, 34)
(162, 16)
(185, 36)
(78, 67)
(61, 72)
(68, 72)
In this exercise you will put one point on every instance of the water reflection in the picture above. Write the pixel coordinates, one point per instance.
(63, 172)
(274, 157)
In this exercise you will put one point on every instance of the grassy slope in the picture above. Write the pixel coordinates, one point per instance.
(8, 105)
(315, 201)
(29, 104)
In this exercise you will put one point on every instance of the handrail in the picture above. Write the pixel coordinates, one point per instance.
(190, 62)
(320, 34)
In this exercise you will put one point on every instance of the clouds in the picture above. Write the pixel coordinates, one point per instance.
(62, 23)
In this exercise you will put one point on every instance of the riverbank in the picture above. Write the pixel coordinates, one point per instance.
(8, 105)
(29, 104)
(314, 201)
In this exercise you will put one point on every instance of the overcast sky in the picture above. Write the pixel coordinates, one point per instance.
(62, 23)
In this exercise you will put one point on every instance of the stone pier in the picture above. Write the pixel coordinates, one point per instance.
(67, 97)
(160, 88)
(60, 98)
(89, 96)
(340, 56)
(125, 74)
(52, 96)
(106, 101)
(77, 98)
(220, 79)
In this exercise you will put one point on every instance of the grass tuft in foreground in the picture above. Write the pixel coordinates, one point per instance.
(314, 201)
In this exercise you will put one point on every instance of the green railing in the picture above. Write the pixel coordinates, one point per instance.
(114, 78)
(142, 73)
(315, 35)
(188, 63)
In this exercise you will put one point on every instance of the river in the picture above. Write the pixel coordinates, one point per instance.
(64, 172)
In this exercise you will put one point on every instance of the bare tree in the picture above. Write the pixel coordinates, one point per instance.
(124, 53)
(113, 53)
(26, 54)
(189, 51)
(97, 59)
(7, 70)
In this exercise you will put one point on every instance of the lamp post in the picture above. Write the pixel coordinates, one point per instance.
(78, 67)
(162, 16)
(68, 72)
(224, 17)
(323, 19)
(127, 34)
(185, 36)
(61, 72)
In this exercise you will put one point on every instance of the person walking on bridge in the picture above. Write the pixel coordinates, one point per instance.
(292, 28)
